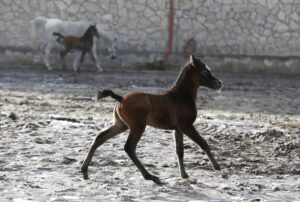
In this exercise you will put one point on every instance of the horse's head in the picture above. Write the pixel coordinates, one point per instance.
(204, 75)
(112, 50)
(93, 30)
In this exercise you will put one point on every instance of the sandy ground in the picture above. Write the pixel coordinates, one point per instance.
(253, 127)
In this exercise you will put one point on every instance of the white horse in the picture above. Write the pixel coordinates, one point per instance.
(44, 41)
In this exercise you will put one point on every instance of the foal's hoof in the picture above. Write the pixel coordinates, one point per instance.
(85, 175)
(154, 179)
(217, 167)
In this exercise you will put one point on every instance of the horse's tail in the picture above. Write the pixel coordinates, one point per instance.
(106, 93)
(37, 24)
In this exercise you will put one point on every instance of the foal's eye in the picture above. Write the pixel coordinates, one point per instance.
(204, 72)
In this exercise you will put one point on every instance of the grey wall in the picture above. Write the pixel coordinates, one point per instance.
(229, 30)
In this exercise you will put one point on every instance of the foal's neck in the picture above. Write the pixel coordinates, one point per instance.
(87, 36)
(185, 87)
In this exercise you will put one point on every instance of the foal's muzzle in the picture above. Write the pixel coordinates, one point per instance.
(217, 85)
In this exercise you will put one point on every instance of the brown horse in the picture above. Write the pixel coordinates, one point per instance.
(172, 110)
(84, 44)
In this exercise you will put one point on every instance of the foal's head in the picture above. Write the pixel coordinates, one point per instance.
(204, 75)
(93, 30)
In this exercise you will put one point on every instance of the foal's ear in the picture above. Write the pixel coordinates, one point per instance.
(192, 59)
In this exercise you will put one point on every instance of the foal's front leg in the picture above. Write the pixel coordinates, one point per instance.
(192, 133)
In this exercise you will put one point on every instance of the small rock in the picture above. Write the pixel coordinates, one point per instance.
(24, 102)
(226, 188)
(31, 125)
(12, 116)
(43, 141)
(191, 180)
(67, 160)
(256, 199)
(187, 147)
(275, 188)
(225, 176)
(165, 165)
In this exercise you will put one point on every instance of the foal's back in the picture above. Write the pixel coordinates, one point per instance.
(157, 110)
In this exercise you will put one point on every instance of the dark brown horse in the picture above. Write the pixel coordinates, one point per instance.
(83, 44)
(172, 110)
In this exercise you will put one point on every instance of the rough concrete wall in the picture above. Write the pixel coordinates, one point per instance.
(220, 27)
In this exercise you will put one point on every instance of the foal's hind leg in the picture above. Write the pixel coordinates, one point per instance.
(130, 148)
(192, 133)
(114, 130)
(178, 136)
(62, 57)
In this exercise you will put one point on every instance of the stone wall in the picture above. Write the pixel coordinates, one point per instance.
(264, 30)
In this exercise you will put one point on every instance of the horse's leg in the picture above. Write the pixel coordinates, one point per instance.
(47, 55)
(117, 128)
(82, 57)
(130, 148)
(81, 60)
(41, 50)
(92, 56)
(178, 136)
(94, 53)
(76, 61)
(192, 133)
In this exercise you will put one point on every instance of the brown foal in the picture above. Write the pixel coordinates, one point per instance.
(172, 110)
(84, 44)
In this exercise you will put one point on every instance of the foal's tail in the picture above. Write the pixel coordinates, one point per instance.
(60, 37)
(106, 93)
(58, 34)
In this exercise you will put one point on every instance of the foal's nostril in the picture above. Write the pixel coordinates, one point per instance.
(220, 83)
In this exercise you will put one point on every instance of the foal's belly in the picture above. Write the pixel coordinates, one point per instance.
(160, 120)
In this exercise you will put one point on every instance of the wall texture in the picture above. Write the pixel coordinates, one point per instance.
(242, 29)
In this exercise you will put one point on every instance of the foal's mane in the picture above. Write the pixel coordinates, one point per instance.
(87, 32)
(181, 77)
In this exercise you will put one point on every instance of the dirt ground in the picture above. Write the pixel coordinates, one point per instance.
(48, 121)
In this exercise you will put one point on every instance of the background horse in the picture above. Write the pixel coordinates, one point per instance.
(172, 110)
(44, 41)
(83, 44)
